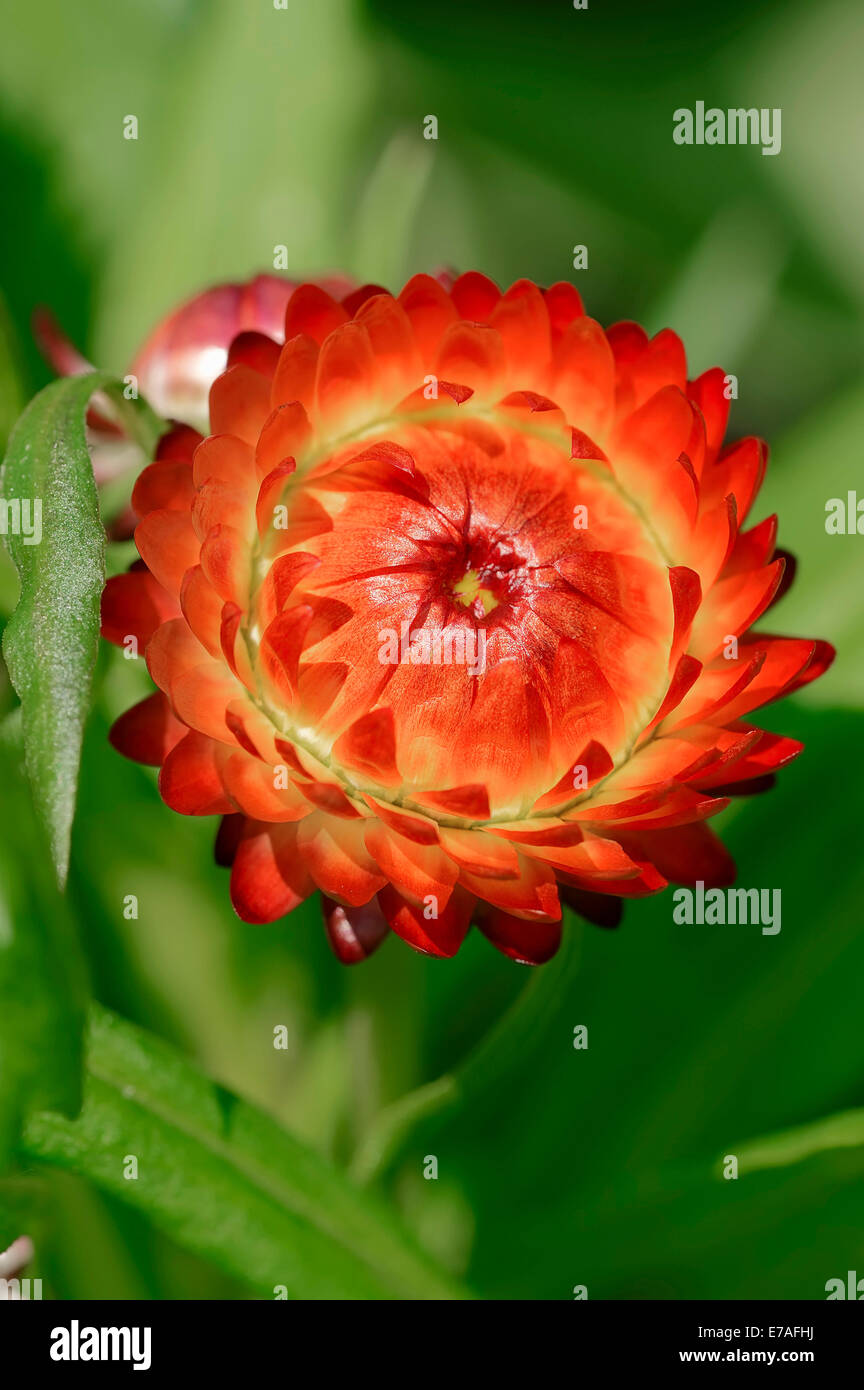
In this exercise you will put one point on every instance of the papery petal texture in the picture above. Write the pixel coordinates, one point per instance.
(451, 616)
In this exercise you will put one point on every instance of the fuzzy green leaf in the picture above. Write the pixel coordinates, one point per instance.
(51, 640)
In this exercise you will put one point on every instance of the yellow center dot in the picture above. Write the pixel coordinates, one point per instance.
(469, 591)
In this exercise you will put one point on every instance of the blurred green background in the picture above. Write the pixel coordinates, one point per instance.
(303, 127)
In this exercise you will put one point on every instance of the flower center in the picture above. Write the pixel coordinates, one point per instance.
(472, 601)
(482, 575)
(471, 592)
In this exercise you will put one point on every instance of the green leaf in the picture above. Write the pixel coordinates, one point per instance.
(41, 979)
(51, 640)
(777, 1230)
(247, 59)
(397, 183)
(226, 1181)
(817, 461)
(21, 1203)
(512, 1047)
(843, 1131)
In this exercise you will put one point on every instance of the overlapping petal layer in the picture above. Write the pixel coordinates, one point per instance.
(450, 616)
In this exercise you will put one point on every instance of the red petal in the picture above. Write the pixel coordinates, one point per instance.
(255, 350)
(282, 578)
(314, 312)
(563, 305)
(529, 943)
(583, 377)
(294, 379)
(473, 353)
(251, 784)
(430, 311)
(335, 854)
(190, 781)
(685, 854)
(534, 895)
(354, 301)
(327, 796)
(179, 443)
(408, 823)
(239, 403)
(419, 872)
(148, 731)
(397, 359)
(228, 838)
(284, 436)
(167, 484)
(733, 606)
(739, 471)
(369, 747)
(597, 762)
(135, 605)
(708, 393)
(354, 932)
(233, 645)
(686, 597)
(281, 648)
(481, 854)
(219, 504)
(475, 296)
(767, 753)
(226, 561)
(267, 877)
(522, 320)
(202, 609)
(168, 546)
(226, 457)
(470, 802)
(684, 677)
(433, 936)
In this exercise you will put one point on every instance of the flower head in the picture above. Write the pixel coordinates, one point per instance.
(450, 616)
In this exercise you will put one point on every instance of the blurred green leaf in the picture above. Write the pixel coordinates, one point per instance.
(511, 1045)
(252, 131)
(58, 548)
(21, 1203)
(688, 1232)
(843, 1131)
(225, 1180)
(11, 386)
(41, 983)
(388, 209)
(820, 460)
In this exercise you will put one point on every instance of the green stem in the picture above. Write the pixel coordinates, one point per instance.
(139, 420)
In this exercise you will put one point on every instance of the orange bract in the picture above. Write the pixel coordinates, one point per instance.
(450, 616)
